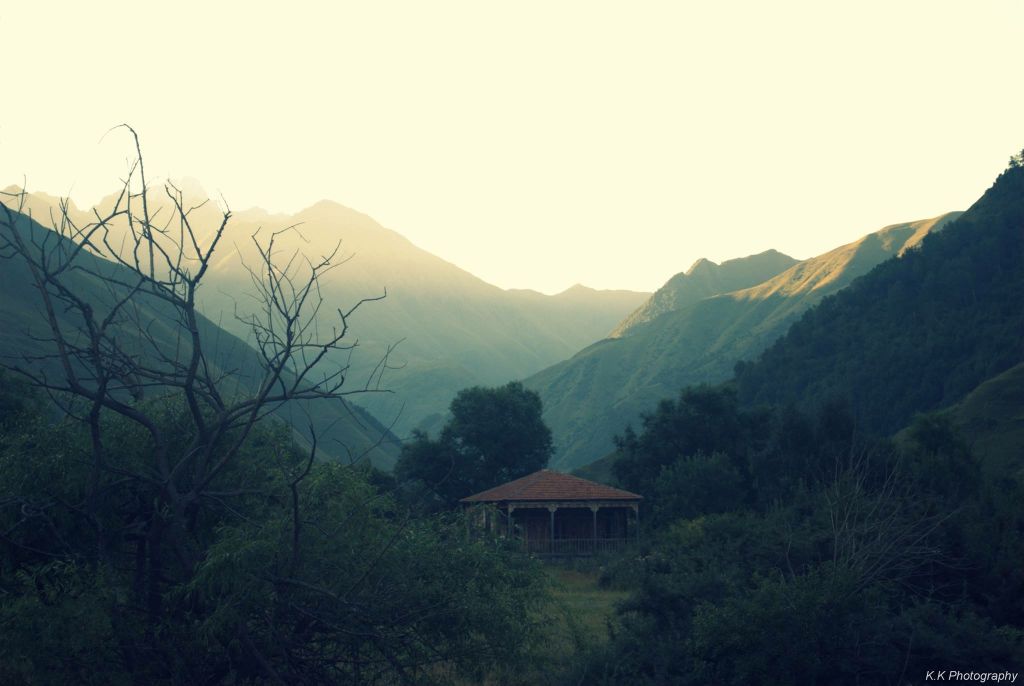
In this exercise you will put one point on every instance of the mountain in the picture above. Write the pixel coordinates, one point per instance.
(345, 431)
(592, 396)
(448, 329)
(916, 334)
(703, 280)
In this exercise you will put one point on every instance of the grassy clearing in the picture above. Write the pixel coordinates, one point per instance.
(584, 609)
(578, 620)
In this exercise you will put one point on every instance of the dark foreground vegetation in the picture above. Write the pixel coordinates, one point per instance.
(159, 524)
(789, 550)
(812, 525)
(296, 571)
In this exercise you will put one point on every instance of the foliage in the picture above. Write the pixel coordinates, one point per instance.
(698, 335)
(494, 435)
(704, 420)
(165, 528)
(705, 454)
(916, 334)
(346, 589)
(698, 484)
(849, 559)
(807, 554)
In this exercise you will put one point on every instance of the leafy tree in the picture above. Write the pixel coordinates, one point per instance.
(696, 485)
(354, 591)
(493, 435)
(166, 529)
(810, 554)
(704, 420)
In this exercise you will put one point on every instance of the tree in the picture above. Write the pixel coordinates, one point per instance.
(119, 297)
(169, 519)
(493, 435)
(704, 420)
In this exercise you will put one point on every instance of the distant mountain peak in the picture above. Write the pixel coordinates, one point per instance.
(703, 264)
(191, 187)
(705, 279)
(334, 209)
(693, 330)
(327, 204)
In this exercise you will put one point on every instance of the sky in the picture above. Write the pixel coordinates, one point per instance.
(534, 144)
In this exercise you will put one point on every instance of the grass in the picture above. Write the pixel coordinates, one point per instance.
(583, 607)
(992, 419)
(578, 620)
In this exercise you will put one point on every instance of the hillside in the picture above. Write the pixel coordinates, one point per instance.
(591, 397)
(991, 418)
(344, 430)
(451, 329)
(916, 334)
(705, 279)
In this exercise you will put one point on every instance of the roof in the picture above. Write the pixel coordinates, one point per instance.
(549, 485)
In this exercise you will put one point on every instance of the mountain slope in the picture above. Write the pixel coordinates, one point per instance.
(916, 334)
(991, 418)
(591, 397)
(344, 431)
(452, 329)
(703, 280)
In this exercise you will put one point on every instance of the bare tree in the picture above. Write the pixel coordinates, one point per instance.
(880, 529)
(137, 331)
(186, 510)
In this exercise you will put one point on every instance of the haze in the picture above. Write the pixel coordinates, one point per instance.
(534, 144)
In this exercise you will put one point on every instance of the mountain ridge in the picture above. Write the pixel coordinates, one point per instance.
(704, 279)
(916, 334)
(593, 395)
(24, 336)
(440, 328)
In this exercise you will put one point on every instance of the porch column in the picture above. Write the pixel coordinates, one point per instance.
(551, 540)
(510, 527)
(594, 509)
(636, 513)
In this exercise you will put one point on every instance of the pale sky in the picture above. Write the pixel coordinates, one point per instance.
(535, 144)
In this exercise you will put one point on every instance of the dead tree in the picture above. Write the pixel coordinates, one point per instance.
(136, 332)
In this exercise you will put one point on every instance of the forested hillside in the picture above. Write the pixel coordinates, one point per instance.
(593, 395)
(794, 542)
(991, 419)
(916, 334)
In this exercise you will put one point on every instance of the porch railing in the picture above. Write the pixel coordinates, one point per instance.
(574, 546)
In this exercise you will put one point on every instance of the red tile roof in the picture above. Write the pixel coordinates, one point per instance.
(548, 485)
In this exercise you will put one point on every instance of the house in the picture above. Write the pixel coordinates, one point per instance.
(552, 513)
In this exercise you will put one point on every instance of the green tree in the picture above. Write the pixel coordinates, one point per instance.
(704, 419)
(348, 589)
(166, 529)
(493, 435)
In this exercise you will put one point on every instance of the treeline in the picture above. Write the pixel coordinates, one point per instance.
(787, 548)
(491, 436)
(303, 571)
(160, 525)
(915, 334)
(182, 536)
(796, 540)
